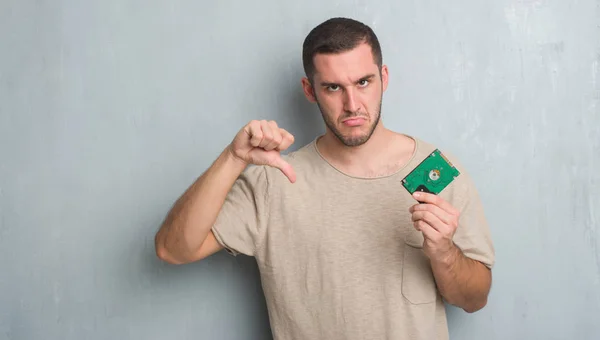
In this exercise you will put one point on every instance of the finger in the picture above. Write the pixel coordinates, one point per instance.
(443, 215)
(430, 219)
(285, 168)
(255, 132)
(277, 138)
(287, 140)
(267, 134)
(428, 231)
(425, 197)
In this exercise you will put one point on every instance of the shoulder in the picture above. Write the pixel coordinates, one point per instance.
(305, 154)
(424, 148)
(462, 189)
(302, 160)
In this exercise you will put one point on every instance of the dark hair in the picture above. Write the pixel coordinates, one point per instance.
(338, 35)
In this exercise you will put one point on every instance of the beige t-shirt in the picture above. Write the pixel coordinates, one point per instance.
(338, 255)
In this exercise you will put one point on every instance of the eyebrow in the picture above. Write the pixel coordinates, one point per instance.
(367, 77)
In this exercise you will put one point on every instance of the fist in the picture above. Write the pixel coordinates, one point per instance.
(260, 143)
(437, 220)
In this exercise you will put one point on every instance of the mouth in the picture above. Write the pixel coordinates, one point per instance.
(354, 121)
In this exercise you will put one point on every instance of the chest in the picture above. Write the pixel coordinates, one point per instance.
(339, 223)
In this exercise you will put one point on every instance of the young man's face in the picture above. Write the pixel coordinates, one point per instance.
(348, 89)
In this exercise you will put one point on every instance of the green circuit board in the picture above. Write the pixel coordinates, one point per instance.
(432, 175)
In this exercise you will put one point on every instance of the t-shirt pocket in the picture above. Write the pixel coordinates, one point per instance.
(418, 283)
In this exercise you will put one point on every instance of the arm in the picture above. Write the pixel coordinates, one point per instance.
(185, 235)
(462, 281)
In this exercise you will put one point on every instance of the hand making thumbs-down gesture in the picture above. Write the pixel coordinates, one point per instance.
(260, 143)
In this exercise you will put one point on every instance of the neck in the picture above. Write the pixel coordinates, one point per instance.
(384, 153)
(339, 153)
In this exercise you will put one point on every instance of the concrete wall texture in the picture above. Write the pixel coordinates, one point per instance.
(110, 109)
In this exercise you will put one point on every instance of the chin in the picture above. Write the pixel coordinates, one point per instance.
(353, 141)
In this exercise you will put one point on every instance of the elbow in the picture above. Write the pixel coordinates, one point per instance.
(476, 305)
(162, 253)
(469, 305)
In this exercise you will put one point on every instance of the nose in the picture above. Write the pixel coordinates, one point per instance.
(350, 101)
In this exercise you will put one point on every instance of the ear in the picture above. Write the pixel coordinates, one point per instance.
(384, 76)
(309, 91)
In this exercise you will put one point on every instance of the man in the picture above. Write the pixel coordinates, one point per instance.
(344, 251)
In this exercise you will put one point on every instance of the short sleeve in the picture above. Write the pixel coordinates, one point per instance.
(473, 234)
(241, 222)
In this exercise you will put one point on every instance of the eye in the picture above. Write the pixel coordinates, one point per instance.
(333, 88)
(363, 83)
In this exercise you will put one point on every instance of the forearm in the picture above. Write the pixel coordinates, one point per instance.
(190, 219)
(462, 281)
